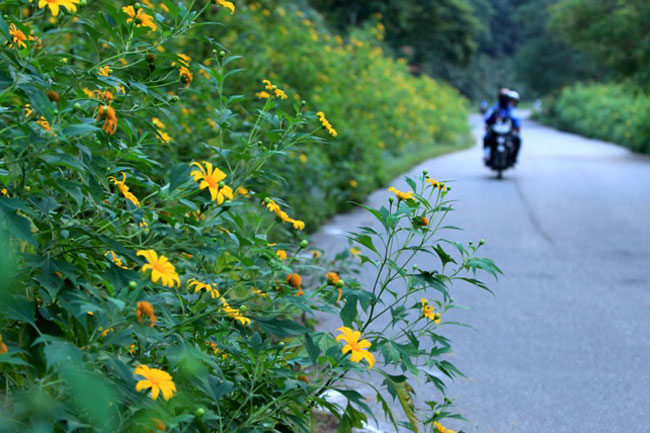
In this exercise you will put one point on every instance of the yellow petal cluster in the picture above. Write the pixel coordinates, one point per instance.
(158, 380)
(161, 268)
(428, 311)
(326, 124)
(441, 429)
(272, 206)
(401, 195)
(358, 348)
(55, 5)
(141, 18)
(121, 185)
(211, 178)
(234, 313)
(198, 286)
(228, 5)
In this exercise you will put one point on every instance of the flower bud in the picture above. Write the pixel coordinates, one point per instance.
(222, 53)
(340, 284)
(53, 96)
(481, 242)
(222, 184)
(415, 266)
(64, 60)
(173, 98)
(391, 199)
(448, 400)
(77, 106)
(267, 200)
(304, 243)
(214, 51)
(199, 412)
(425, 172)
(133, 284)
(243, 308)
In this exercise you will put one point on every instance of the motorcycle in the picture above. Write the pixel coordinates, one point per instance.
(502, 159)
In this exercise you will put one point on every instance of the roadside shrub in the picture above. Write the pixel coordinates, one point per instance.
(612, 112)
(153, 279)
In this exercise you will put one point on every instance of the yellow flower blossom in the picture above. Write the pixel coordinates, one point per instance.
(234, 313)
(316, 254)
(107, 113)
(4, 192)
(42, 121)
(401, 195)
(295, 281)
(436, 184)
(441, 429)
(28, 110)
(3, 346)
(282, 254)
(228, 5)
(161, 268)
(303, 158)
(157, 123)
(198, 286)
(212, 178)
(263, 94)
(141, 19)
(17, 36)
(267, 85)
(355, 251)
(280, 94)
(428, 312)
(144, 308)
(104, 71)
(158, 380)
(115, 259)
(55, 5)
(124, 189)
(358, 348)
(326, 124)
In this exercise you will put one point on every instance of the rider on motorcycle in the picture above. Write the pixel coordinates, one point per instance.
(507, 100)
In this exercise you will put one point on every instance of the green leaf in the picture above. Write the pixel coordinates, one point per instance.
(180, 175)
(79, 129)
(59, 352)
(349, 311)
(312, 349)
(18, 226)
(281, 327)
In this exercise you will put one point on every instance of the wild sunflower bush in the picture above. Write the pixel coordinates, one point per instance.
(153, 277)
(613, 112)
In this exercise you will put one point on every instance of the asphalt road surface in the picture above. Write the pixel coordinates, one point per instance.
(564, 345)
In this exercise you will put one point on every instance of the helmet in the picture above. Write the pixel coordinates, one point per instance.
(503, 96)
(514, 96)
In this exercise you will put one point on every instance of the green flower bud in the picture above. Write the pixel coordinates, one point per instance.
(199, 412)
(137, 6)
(448, 400)
(77, 106)
(243, 308)
(173, 98)
(267, 200)
(222, 53)
(64, 60)
(340, 284)
(437, 414)
(214, 51)
(415, 265)
(391, 199)
(303, 102)
(222, 184)
(481, 242)
(425, 172)
(133, 284)
(304, 243)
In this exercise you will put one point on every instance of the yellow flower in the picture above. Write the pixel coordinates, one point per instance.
(227, 5)
(326, 124)
(295, 281)
(316, 254)
(242, 191)
(141, 19)
(107, 113)
(267, 84)
(437, 184)
(428, 312)
(198, 286)
(121, 185)
(161, 268)
(355, 251)
(104, 71)
(115, 259)
(282, 254)
(28, 110)
(17, 36)
(158, 380)
(4, 191)
(185, 76)
(212, 178)
(303, 158)
(44, 123)
(332, 278)
(234, 313)
(183, 60)
(353, 183)
(54, 5)
(164, 137)
(280, 94)
(144, 308)
(157, 123)
(297, 224)
(358, 348)
(401, 195)
(263, 94)
(3, 346)
(441, 429)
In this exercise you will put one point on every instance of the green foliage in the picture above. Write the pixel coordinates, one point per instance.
(615, 31)
(146, 248)
(612, 112)
(383, 115)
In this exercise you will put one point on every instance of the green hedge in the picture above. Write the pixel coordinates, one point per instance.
(611, 112)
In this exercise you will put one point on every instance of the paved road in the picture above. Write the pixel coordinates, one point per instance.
(564, 346)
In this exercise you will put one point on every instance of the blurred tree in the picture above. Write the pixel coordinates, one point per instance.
(615, 31)
(427, 32)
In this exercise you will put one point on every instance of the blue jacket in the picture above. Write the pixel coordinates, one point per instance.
(496, 112)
